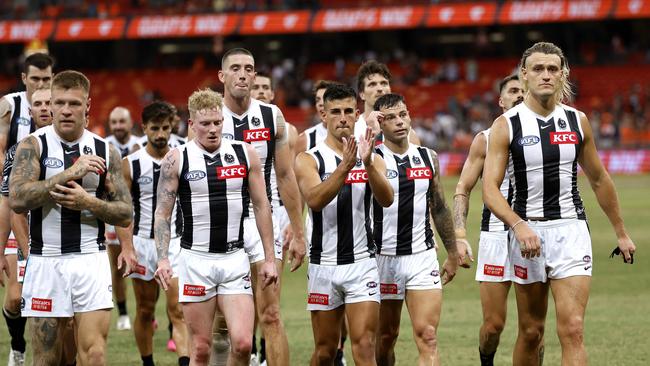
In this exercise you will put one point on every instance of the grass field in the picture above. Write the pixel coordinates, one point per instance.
(617, 330)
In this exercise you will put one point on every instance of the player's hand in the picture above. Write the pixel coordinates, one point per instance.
(268, 273)
(373, 121)
(449, 268)
(87, 164)
(128, 259)
(529, 241)
(287, 237)
(163, 274)
(465, 255)
(4, 267)
(297, 251)
(71, 196)
(349, 152)
(627, 248)
(366, 146)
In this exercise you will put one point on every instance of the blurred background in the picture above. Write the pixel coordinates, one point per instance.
(446, 57)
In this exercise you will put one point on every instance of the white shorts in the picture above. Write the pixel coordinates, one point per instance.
(398, 273)
(253, 242)
(111, 235)
(11, 248)
(280, 221)
(64, 285)
(145, 250)
(20, 270)
(329, 287)
(493, 257)
(566, 252)
(202, 276)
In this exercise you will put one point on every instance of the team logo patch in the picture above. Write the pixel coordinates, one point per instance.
(561, 138)
(42, 305)
(228, 136)
(139, 269)
(418, 173)
(371, 284)
(528, 140)
(492, 270)
(233, 171)
(193, 290)
(391, 174)
(388, 288)
(318, 299)
(416, 160)
(52, 163)
(22, 303)
(358, 163)
(561, 123)
(356, 176)
(255, 121)
(24, 121)
(260, 134)
(521, 272)
(144, 180)
(586, 258)
(195, 175)
(325, 176)
(88, 150)
(229, 158)
(435, 273)
(21, 271)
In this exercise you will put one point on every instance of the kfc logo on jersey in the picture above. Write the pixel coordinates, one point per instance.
(492, 270)
(521, 272)
(388, 288)
(261, 134)
(560, 138)
(234, 171)
(356, 176)
(193, 290)
(318, 299)
(418, 173)
(42, 304)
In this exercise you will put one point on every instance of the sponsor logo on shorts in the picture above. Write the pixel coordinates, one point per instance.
(372, 293)
(229, 172)
(436, 282)
(521, 272)
(110, 288)
(139, 269)
(144, 180)
(388, 288)
(586, 258)
(260, 134)
(193, 290)
(587, 267)
(391, 174)
(318, 299)
(21, 271)
(195, 175)
(528, 140)
(11, 243)
(42, 305)
(22, 303)
(561, 138)
(492, 270)
(418, 173)
(371, 284)
(435, 273)
(52, 163)
(357, 176)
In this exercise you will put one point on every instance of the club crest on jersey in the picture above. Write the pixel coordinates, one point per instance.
(561, 123)
(358, 163)
(233, 171)
(260, 134)
(52, 163)
(416, 160)
(88, 150)
(24, 121)
(528, 140)
(561, 138)
(356, 176)
(418, 173)
(391, 174)
(195, 175)
(228, 136)
(229, 158)
(144, 180)
(255, 121)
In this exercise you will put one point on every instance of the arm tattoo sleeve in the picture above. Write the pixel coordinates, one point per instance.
(117, 207)
(166, 199)
(461, 209)
(440, 211)
(25, 190)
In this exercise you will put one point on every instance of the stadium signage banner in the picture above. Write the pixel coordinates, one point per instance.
(25, 31)
(632, 9)
(554, 11)
(182, 26)
(275, 22)
(89, 29)
(468, 14)
(333, 20)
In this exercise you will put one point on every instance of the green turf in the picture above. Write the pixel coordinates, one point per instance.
(617, 329)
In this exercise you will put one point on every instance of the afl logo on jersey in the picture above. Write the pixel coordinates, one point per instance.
(229, 159)
(255, 121)
(52, 163)
(24, 121)
(144, 180)
(228, 136)
(390, 174)
(528, 140)
(195, 175)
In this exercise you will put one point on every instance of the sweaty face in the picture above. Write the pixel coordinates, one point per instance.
(158, 132)
(36, 79)
(40, 109)
(374, 86)
(237, 75)
(543, 74)
(339, 116)
(120, 124)
(207, 125)
(511, 95)
(396, 123)
(262, 89)
(69, 108)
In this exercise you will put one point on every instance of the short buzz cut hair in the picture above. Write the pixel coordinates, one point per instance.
(71, 79)
(235, 51)
(388, 101)
(506, 80)
(323, 84)
(263, 74)
(369, 68)
(338, 92)
(204, 99)
(39, 60)
(158, 111)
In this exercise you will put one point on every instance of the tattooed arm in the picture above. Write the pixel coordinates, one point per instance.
(166, 199)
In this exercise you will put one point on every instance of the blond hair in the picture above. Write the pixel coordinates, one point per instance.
(204, 99)
(71, 79)
(565, 94)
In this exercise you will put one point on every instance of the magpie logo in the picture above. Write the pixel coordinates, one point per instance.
(416, 160)
(256, 121)
(88, 150)
(229, 158)
(561, 123)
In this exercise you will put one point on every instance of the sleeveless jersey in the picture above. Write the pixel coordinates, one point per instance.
(489, 222)
(21, 123)
(124, 149)
(315, 135)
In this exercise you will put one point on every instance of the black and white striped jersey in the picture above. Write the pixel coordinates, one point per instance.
(6, 169)
(56, 230)
(315, 135)
(404, 227)
(124, 149)
(213, 191)
(145, 173)
(341, 230)
(174, 141)
(544, 162)
(21, 123)
(257, 126)
(489, 222)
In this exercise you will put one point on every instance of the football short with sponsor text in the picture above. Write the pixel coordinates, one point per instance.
(493, 263)
(253, 241)
(11, 248)
(145, 250)
(419, 271)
